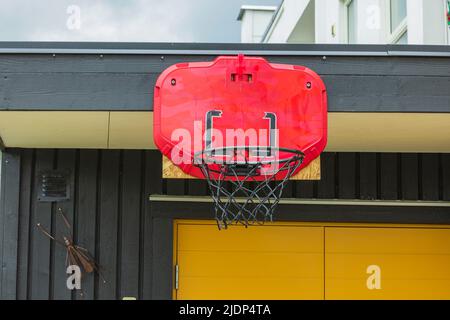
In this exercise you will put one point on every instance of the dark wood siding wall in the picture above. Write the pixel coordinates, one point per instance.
(113, 218)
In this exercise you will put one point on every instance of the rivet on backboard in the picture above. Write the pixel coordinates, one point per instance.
(308, 85)
(173, 82)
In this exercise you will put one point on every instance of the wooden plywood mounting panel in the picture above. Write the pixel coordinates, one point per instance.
(171, 171)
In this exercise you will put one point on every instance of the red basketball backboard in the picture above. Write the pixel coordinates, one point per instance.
(214, 105)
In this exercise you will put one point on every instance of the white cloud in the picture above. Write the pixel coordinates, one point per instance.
(123, 20)
(139, 20)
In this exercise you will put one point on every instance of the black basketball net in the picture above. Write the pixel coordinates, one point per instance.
(238, 196)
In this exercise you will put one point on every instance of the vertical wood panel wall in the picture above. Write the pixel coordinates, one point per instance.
(111, 214)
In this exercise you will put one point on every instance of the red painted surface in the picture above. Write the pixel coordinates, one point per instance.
(243, 88)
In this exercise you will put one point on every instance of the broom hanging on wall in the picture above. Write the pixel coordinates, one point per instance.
(75, 254)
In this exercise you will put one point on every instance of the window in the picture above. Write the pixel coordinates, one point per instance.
(403, 39)
(397, 22)
(366, 21)
(351, 21)
(348, 20)
(398, 13)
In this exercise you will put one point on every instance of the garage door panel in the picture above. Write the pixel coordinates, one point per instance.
(412, 263)
(257, 238)
(387, 240)
(264, 262)
(390, 265)
(417, 290)
(275, 288)
(250, 264)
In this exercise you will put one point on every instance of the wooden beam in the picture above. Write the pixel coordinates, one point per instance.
(171, 171)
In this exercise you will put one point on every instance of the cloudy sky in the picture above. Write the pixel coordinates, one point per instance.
(122, 20)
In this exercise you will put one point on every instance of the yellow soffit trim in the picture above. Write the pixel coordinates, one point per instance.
(54, 129)
(131, 130)
(347, 132)
(389, 132)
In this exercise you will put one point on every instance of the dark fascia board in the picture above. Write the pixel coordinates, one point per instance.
(220, 48)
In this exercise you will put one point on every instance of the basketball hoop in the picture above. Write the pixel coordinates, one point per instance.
(246, 184)
(244, 125)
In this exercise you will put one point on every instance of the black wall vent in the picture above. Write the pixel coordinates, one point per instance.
(53, 186)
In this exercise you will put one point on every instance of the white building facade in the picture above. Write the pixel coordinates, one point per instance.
(255, 20)
(350, 22)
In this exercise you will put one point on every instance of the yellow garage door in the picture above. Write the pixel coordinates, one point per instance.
(312, 261)
(387, 263)
(262, 262)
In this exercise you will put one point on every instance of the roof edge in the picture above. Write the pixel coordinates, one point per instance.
(150, 48)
